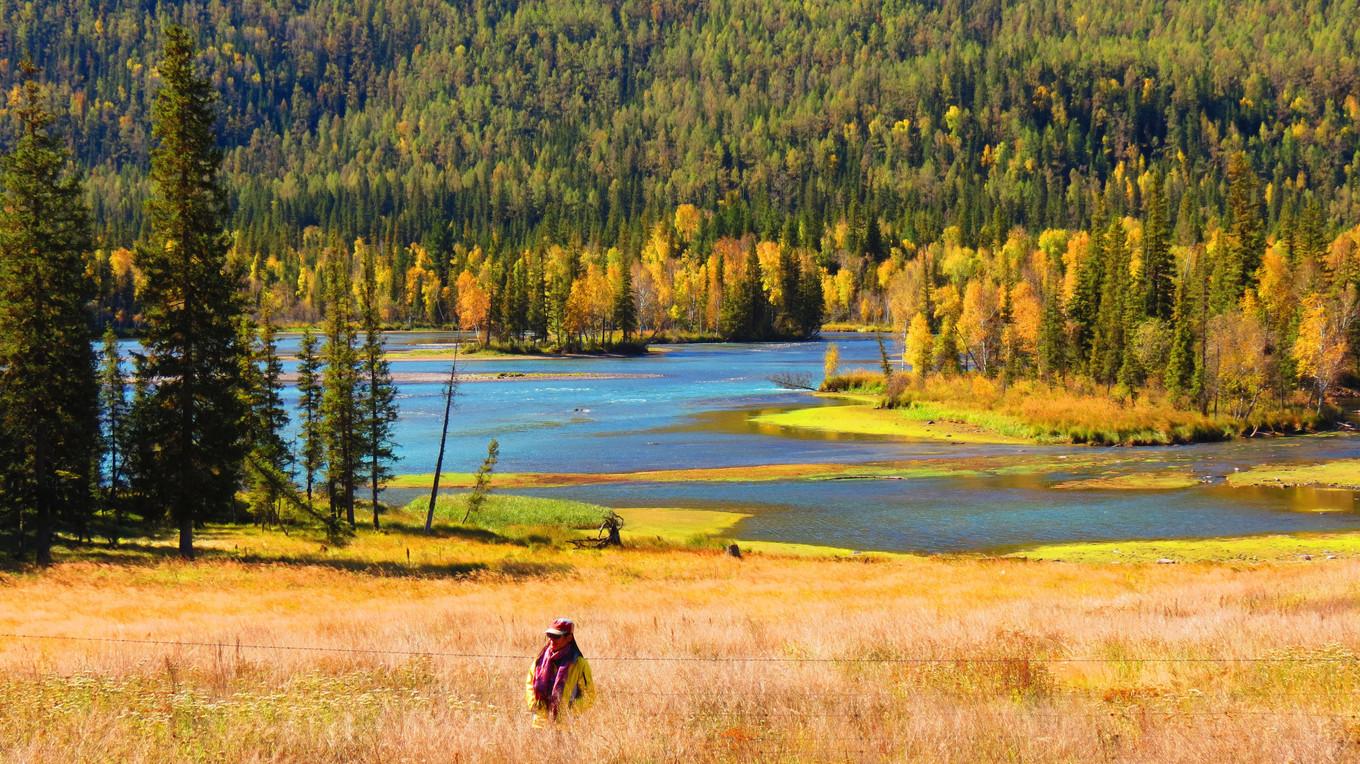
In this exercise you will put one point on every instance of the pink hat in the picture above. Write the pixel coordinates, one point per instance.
(561, 626)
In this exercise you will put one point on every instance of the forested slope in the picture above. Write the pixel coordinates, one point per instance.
(411, 120)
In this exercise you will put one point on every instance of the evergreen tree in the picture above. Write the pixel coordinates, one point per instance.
(1181, 364)
(538, 301)
(810, 304)
(341, 411)
(1052, 345)
(946, 355)
(191, 304)
(49, 415)
(625, 303)
(788, 321)
(1085, 304)
(313, 447)
(1107, 345)
(269, 454)
(745, 314)
(144, 496)
(1158, 265)
(113, 406)
(1246, 241)
(378, 394)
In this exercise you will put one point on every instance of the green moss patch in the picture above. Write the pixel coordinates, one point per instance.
(1342, 473)
(1138, 481)
(911, 424)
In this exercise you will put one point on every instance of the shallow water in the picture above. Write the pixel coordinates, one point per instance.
(693, 410)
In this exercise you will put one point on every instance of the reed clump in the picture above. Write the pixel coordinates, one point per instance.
(1076, 413)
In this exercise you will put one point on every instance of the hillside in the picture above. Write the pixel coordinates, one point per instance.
(511, 122)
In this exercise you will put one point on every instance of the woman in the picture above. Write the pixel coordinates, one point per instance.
(560, 677)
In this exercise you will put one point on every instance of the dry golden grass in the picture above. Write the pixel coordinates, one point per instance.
(1013, 695)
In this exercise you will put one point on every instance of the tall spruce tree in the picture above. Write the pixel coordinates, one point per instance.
(1158, 266)
(1052, 341)
(192, 304)
(1084, 307)
(341, 414)
(745, 313)
(378, 395)
(113, 405)
(270, 456)
(625, 302)
(312, 449)
(1180, 369)
(1246, 238)
(49, 411)
(538, 301)
(1107, 345)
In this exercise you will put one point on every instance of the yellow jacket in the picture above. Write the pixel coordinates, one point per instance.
(577, 694)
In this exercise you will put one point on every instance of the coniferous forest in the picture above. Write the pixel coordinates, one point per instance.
(1145, 198)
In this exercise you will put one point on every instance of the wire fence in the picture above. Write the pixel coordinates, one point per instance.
(945, 659)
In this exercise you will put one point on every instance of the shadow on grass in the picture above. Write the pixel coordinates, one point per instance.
(152, 549)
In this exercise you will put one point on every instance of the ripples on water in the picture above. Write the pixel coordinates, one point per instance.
(695, 412)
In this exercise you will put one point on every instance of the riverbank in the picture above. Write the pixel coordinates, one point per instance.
(973, 408)
(399, 645)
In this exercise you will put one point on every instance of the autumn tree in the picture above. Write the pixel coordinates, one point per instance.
(1323, 340)
(920, 346)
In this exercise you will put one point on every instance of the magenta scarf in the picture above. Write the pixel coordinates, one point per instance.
(550, 671)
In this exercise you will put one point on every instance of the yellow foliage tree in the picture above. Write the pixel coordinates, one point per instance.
(474, 304)
(920, 345)
(1320, 349)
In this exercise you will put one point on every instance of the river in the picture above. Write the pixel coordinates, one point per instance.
(689, 406)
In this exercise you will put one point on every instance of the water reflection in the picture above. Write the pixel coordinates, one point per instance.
(697, 413)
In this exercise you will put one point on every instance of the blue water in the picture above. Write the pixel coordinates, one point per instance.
(689, 406)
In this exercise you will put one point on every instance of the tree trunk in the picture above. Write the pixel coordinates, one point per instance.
(43, 527)
(443, 437)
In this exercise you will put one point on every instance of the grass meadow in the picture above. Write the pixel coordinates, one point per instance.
(418, 647)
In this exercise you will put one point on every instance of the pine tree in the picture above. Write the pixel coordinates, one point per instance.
(1052, 348)
(625, 303)
(378, 394)
(191, 303)
(946, 355)
(113, 406)
(746, 309)
(144, 496)
(1107, 345)
(810, 305)
(1085, 304)
(49, 411)
(312, 451)
(269, 454)
(1181, 364)
(1158, 265)
(341, 412)
(1246, 240)
(538, 301)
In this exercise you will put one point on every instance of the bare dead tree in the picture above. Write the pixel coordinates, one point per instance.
(449, 391)
(792, 381)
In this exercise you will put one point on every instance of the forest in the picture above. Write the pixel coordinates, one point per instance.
(1143, 201)
(575, 140)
